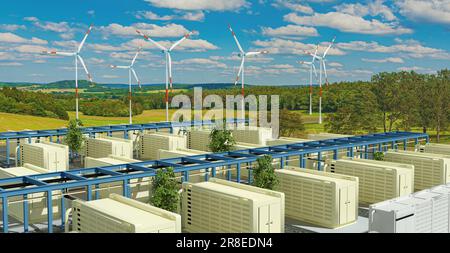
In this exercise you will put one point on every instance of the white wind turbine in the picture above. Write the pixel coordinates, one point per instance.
(78, 57)
(130, 71)
(311, 68)
(243, 54)
(167, 52)
(324, 68)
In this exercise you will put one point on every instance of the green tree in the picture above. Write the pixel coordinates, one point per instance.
(290, 123)
(356, 112)
(440, 113)
(74, 138)
(264, 173)
(165, 190)
(379, 156)
(221, 140)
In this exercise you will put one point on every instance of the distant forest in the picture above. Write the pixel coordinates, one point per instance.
(397, 100)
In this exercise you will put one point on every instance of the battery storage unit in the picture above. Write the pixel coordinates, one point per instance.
(319, 198)
(194, 176)
(220, 206)
(118, 214)
(139, 187)
(423, 212)
(378, 180)
(46, 155)
(285, 141)
(429, 169)
(37, 202)
(326, 136)
(198, 139)
(434, 148)
(151, 143)
(445, 190)
(105, 146)
(253, 135)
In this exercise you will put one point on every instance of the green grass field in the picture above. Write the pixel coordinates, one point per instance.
(16, 122)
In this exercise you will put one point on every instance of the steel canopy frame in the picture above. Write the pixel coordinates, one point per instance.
(91, 177)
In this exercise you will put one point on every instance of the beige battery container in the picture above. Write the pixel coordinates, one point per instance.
(105, 146)
(118, 214)
(220, 206)
(139, 187)
(320, 198)
(253, 135)
(434, 148)
(151, 143)
(37, 202)
(46, 155)
(378, 180)
(429, 169)
(198, 139)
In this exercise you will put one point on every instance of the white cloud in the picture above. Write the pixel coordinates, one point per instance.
(202, 61)
(258, 59)
(104, 47)
(110, 76)
(375, 8)
(95, 60)
(199, 45)
(30, 49)
(32, 19)
(12, 27)
(385, 60)
(335, 64)
(63, 28)
(435, 11)
(152, 30)
(290, 31)
(280, 46)
(214, 5)
(13, 38)
(69, 44)
(91, 12)
(347, 23)
(10, 64)
(6, 56)
(417, 69)
(294, 6)
(410, 48)
(191, 16)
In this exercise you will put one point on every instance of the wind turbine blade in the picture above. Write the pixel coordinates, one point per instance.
(239, 72)
(58, 53)
(235, 38)
(84, 67)
(152, 41)
(181, 40)
(325, 72)
(315, 70)
(134, 59)
(136, 77)
(329, 46)
(85, 37)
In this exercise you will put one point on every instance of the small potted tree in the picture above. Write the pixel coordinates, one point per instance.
(165, 190)
(74, 138)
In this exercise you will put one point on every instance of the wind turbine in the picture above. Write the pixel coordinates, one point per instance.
(78, 57)
(323, 67)
(167, 52)
(311, 68)
(243, 54)
(130, 71)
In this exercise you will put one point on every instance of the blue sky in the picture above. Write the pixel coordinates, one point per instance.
(372, 36)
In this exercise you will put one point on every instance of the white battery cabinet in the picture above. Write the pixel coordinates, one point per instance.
(105, 146)
(37, 202)
(434, 148)
(139, 187)
(445, 190)
(254, 135)
(118, 214)
(439, 209)
(391, 217)
(220, 206)
(429, 169)
(151, 143)
(320, 198)
(378, 181)
(46, 155)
